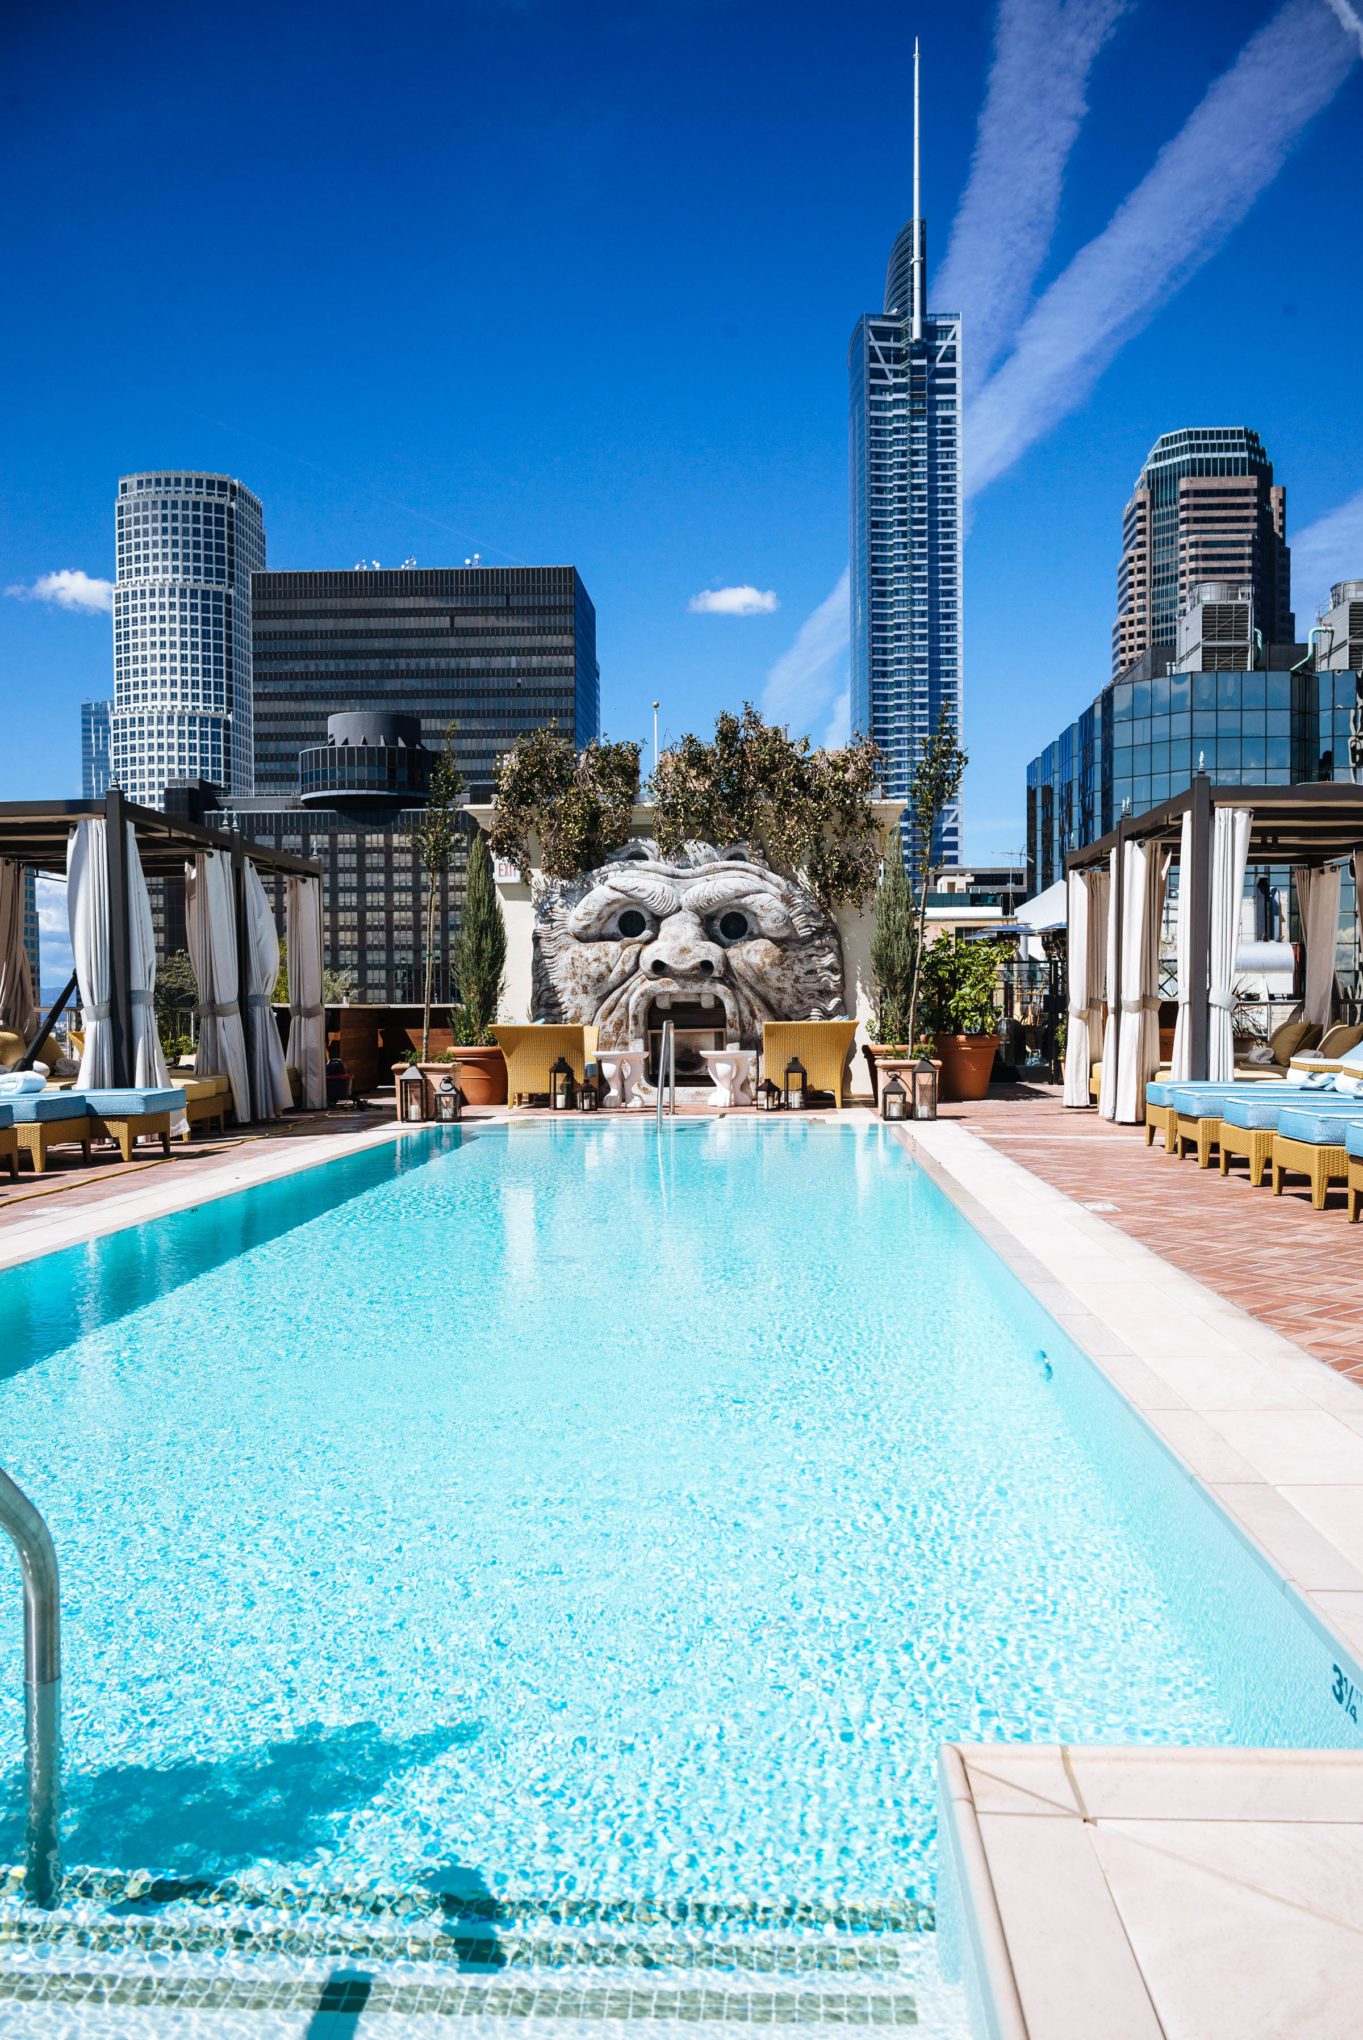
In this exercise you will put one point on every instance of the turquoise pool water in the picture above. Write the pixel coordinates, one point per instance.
(572, 1510)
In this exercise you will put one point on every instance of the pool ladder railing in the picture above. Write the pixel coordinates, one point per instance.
(42, 1690)
(667, 1071)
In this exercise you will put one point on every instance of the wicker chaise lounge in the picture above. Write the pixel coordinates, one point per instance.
(9, 1141)
(47, 1119)
(128, 1114)
(531, 1053)
(1310, 1142)
(1353, 1149)
(823, 1046)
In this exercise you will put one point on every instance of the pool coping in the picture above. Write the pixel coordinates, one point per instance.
(1269, 1432)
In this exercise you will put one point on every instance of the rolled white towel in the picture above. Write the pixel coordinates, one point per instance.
(18, 1083)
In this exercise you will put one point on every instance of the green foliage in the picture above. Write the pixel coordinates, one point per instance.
(806, 811)
(337, 985)
(577, 803)
(174, 996)
(935, 784)
(479, 961)
(894, 950)
(957, 984)
(434, 835)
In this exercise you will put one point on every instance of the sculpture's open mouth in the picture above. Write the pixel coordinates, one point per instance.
(690, 1002)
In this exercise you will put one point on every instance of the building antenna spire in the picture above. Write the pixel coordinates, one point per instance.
(917, 276)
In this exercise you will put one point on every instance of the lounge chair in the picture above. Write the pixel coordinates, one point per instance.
(1309, 1141)
(206, 1100)
(47, 1119)
(9, 1141)
(1353, 1148)
(1162, 1114)
(1246, 1131)
(823, 1046)
(531, 1053)
(126, 1115)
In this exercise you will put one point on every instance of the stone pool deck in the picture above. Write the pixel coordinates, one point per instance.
(1161, 1894)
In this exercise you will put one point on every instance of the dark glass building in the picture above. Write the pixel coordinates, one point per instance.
(494, 650)
(361, 794)
(1145, 736)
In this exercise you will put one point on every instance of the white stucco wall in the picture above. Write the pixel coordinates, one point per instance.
(853, 924)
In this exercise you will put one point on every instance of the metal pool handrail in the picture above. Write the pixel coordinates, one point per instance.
(42, 1689)
(667, 1061)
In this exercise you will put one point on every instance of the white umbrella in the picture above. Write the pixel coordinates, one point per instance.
(307, 1015)
(269, 1078)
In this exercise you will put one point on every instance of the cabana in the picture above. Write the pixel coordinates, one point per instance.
(108, 848)
(1116, 888)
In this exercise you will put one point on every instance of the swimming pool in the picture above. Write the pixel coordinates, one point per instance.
(573, 1512)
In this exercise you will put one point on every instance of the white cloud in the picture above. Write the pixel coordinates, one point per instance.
(1348, 17)
(809, 675)
(1035, 103)
(1329, 550)
(744, 601)
(839, 730)
(1200, 187)
(69, 588)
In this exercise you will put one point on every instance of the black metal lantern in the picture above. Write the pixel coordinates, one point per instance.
(796, 1085)
(589, 1091)
(925, 1088)
(767, 1097)
(562, 1086)
(894, 1099)
(412, 1096)
(449, 1102)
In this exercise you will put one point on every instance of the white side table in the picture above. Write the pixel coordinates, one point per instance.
(623, 1069)
(731, 1072)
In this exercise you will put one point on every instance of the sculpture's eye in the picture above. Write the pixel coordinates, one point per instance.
(632, 923)
(733, 926)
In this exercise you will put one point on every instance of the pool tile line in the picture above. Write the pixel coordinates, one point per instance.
(1196, 1369)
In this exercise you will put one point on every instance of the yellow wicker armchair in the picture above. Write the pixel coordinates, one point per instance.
(531, 1053)
(823, 1046)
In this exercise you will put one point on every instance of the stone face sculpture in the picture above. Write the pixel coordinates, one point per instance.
(642, 937)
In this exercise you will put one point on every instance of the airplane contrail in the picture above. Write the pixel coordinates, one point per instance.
(1199, 189)
(1035, 102)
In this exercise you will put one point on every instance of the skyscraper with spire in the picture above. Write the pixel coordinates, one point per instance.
(904, 367)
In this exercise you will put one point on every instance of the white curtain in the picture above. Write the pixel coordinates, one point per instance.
(18, 1007)
(1318, 904)
(211, 922)
(1107, 1089)
(1077, 1057)
(307, 1015)
(148, 1058)
(269, 1080)
(87, 908)
(1143, 883)
(1230, 853)
(1180, 1063)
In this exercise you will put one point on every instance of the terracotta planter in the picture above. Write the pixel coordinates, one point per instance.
(967, 1060)
(481, 1075)
(877, 1052)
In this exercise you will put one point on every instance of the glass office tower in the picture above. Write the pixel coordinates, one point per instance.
(188, 545)
(94, 749)
(904, 368)
(495, 650)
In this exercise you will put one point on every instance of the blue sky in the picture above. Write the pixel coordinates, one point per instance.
(565, 283)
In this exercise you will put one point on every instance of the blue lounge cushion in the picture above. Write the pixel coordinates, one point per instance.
(132, 1102)
(44, 1106)
(6, 1116)
(1353, 1138)
(1315, 1127)
(1255, 1114)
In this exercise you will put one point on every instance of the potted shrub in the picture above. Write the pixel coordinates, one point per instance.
(479, 964)
(893, 955)
(956, 987)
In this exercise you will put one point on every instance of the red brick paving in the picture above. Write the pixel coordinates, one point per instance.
(1299, 1270)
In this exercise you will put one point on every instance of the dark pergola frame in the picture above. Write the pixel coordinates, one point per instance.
(1312, 824)
(34, 834)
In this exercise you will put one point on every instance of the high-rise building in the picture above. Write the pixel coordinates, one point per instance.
(1204, 508)
(94, 749)
(905, 415)
(32, 939)
(188, 545)
(1339, 631)
(494, 650)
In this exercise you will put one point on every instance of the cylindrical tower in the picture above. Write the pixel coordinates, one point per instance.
(188, 545)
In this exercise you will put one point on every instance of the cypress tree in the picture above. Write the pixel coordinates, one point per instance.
(480, 946)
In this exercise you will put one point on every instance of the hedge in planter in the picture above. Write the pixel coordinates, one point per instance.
(957, 984)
